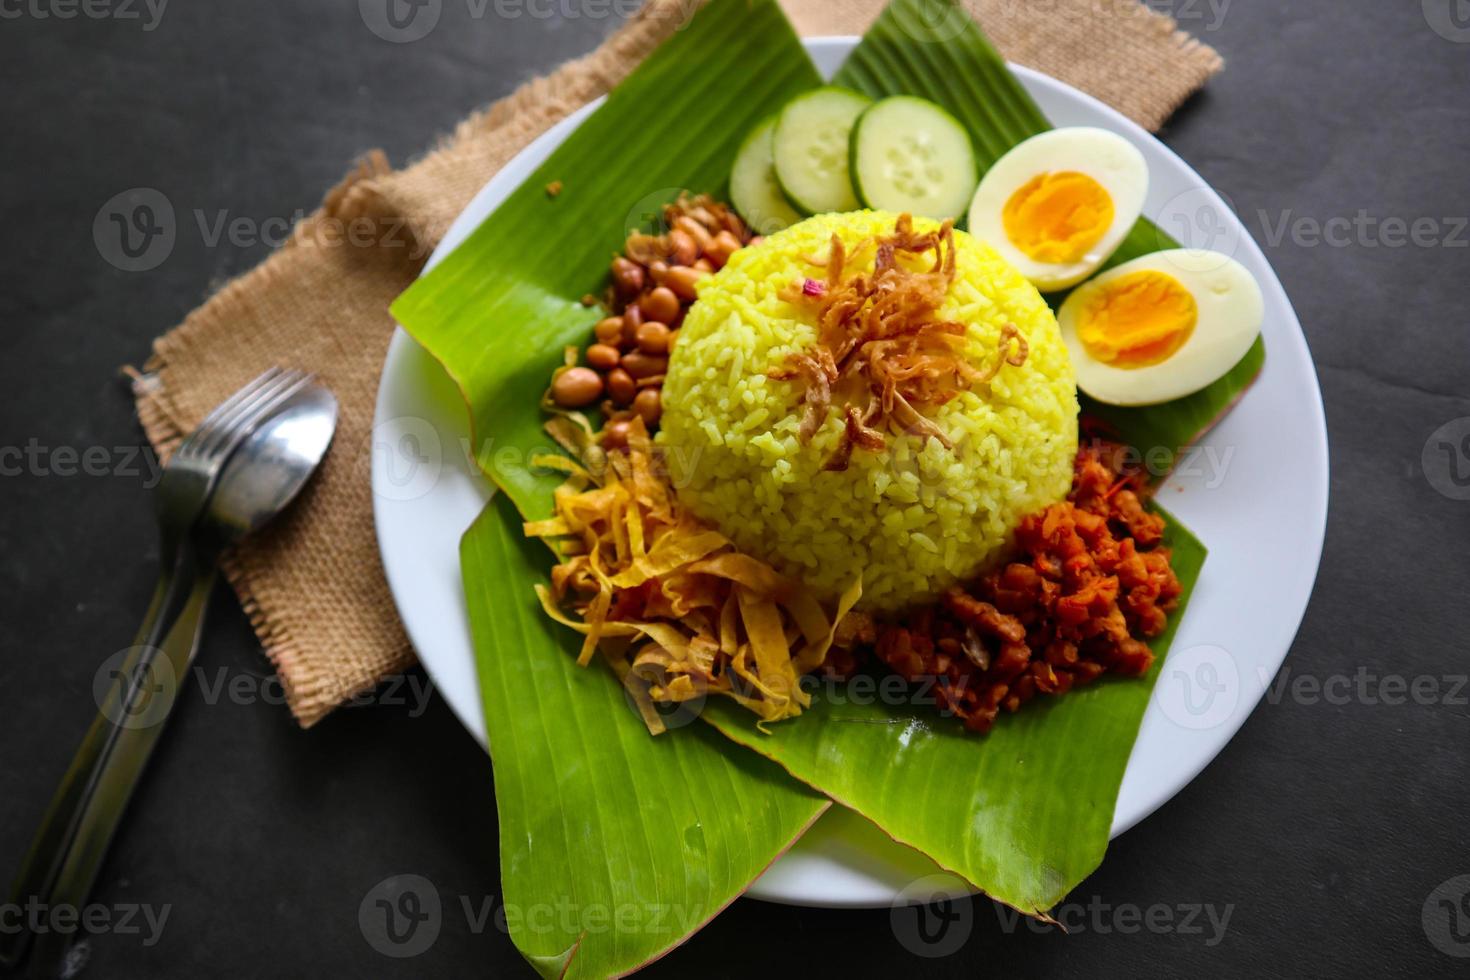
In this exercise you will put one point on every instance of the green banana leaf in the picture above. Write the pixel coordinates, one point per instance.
(1019, 813)
(614, 846)
(498, 311)
(1022, 813)
(932, 49)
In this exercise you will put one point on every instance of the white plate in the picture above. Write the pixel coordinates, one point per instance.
(1256, 494)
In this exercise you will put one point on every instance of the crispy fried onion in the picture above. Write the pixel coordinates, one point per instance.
(881, 343)
(672, 606)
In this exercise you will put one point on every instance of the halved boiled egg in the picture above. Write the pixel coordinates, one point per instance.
(1162, 326)
(1059, 204)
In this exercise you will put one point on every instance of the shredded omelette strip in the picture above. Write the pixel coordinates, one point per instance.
(673, 607)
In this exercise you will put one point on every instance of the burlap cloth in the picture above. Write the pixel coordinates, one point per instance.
(312, 584)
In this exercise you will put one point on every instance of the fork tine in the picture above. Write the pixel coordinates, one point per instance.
(228, 439)
(209, 441)
(231, 403)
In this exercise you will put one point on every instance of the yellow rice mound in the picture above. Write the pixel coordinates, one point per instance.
(912, 519)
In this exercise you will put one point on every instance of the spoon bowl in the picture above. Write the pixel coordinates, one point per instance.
(271, 467)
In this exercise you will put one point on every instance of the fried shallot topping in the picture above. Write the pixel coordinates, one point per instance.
(881, 349)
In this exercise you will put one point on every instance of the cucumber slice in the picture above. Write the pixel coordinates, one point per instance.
(810, 147)
(754, 190)
(910, 155)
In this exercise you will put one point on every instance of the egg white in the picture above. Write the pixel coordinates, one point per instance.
(1231, 310)
(1104, 156)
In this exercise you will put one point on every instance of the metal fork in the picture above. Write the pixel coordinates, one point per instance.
(182, 497)
(194, 469)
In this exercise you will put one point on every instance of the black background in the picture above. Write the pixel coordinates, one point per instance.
(1323, 827)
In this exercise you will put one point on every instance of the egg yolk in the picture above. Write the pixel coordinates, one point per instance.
(1057, 217)
(1137, 320)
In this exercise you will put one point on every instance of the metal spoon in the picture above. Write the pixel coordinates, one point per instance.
(259, 481)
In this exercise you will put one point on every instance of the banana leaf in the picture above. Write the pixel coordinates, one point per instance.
(1023, 813)
(498, 311)
(614, 846)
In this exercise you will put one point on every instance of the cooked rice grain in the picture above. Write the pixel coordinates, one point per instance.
(914, 518)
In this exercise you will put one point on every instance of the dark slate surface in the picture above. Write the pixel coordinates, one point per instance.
(1325, 830)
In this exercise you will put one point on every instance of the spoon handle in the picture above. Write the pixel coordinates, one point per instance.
(69, 849)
